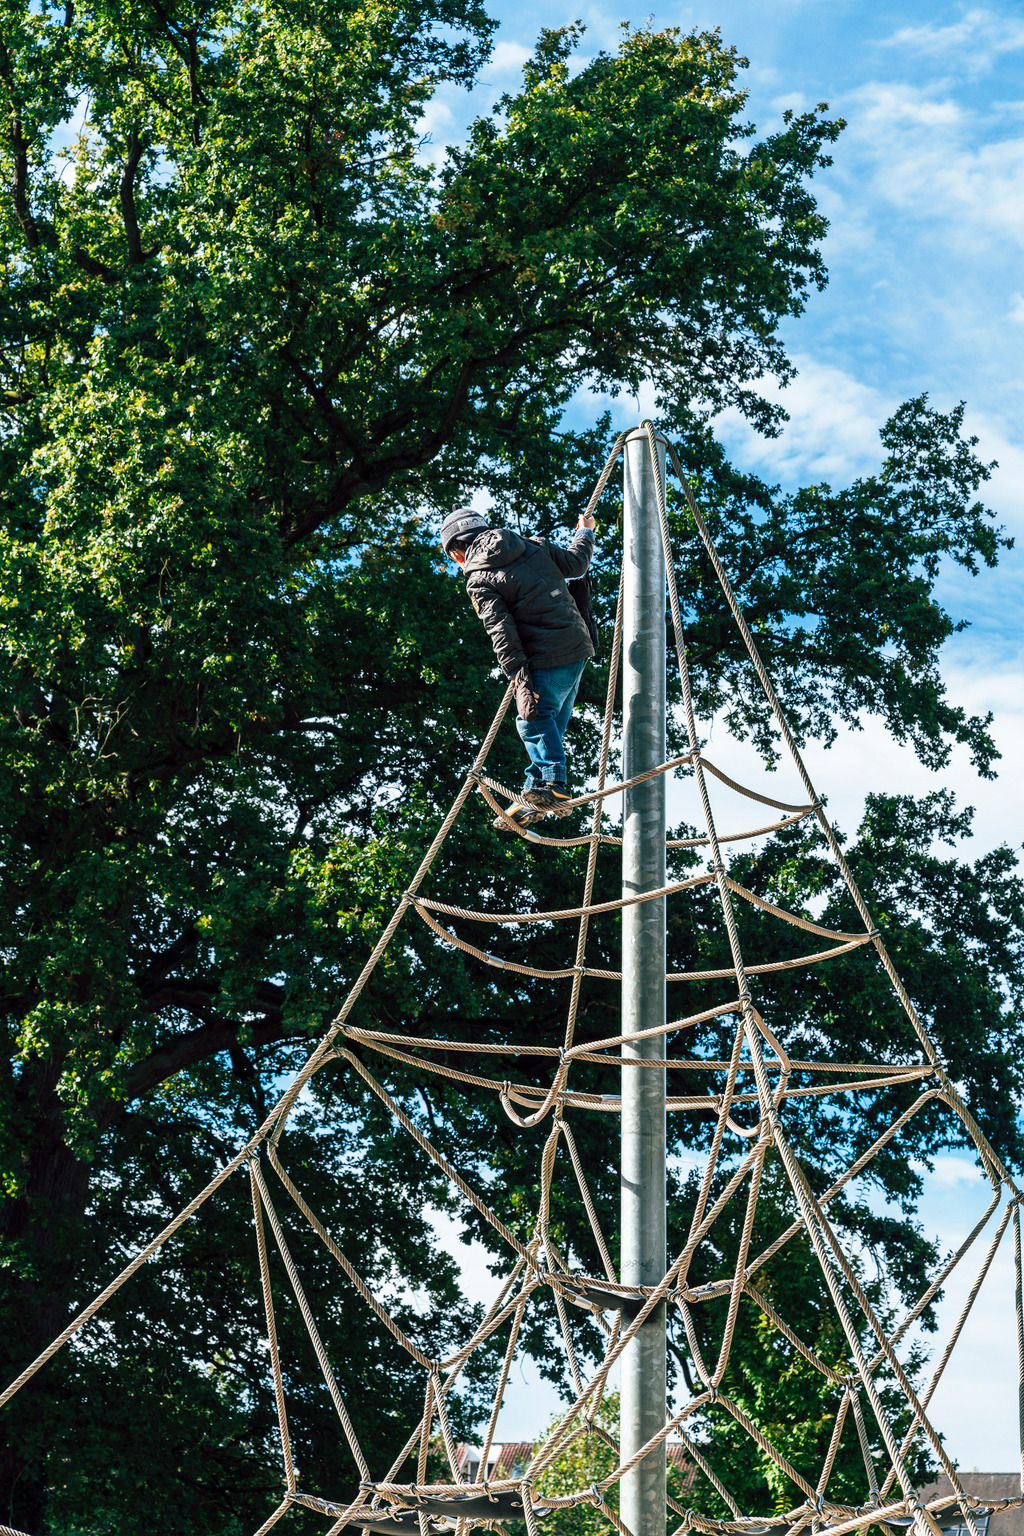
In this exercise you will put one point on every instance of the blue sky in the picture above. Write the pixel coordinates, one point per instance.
(926, 202)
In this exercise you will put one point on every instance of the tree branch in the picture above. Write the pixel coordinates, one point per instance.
(19, 184)
(95, 268)
(128, 211)
(176, 1052)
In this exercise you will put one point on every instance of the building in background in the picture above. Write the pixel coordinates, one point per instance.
(985, 1486)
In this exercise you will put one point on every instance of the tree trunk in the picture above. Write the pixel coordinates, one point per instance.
(40, 1232)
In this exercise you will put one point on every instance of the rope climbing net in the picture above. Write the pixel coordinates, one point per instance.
(757, 1078)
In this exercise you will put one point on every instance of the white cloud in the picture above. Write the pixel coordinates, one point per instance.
(832, 433)
(1016, 310)
(951, 1170)
(921, 154)
(603, 26)
(437, 118)
(868, 761)
(971, 44)
(442, 123)
(508, 56)
(792, 101)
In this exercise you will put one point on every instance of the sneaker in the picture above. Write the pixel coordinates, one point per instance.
(523, 816)
(550, 798)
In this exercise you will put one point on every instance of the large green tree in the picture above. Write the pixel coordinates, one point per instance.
(251, 345)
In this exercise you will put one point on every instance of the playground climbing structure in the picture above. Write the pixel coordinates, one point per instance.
(758, 1084)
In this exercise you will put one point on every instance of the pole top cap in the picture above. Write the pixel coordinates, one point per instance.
(641, 433)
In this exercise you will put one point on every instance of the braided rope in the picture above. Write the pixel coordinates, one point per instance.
(353, 1274)
(268, 1524)
(486, 786)
(565, 912)
(539, 1263)
(602, 793)
(556, 975)
(833, 1446)
(791, 917)
(739, 1277)
(268, 1305)
(506, 1366)
(787, 1332)
(583, 1050)
(771, 966)
(865, 1446)
(752, 794)
(307, 1318)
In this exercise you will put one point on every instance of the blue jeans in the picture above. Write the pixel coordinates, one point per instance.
(542, 738)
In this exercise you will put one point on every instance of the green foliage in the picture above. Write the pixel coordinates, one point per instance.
(250, 347)
(587, 1460)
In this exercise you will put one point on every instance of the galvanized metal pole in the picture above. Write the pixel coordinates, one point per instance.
(643, 1408)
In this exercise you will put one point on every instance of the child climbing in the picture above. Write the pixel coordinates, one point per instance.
(518, 589)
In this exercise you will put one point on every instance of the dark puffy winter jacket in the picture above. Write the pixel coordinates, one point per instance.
(517, 586)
